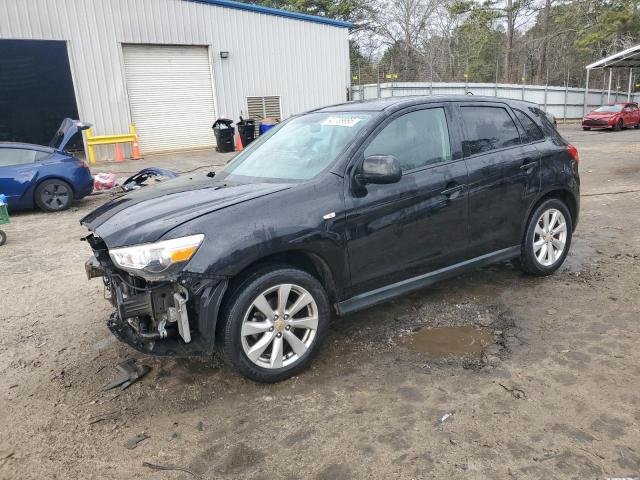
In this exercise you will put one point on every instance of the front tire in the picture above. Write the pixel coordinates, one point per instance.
(54, 195)
(3, 238)
(274, 323)
(619, 125)
(547, 238)
(586, 129)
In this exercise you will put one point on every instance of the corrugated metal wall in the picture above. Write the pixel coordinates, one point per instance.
(563, 103)
(306, 63)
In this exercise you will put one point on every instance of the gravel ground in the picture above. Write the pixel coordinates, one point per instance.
(553, 394)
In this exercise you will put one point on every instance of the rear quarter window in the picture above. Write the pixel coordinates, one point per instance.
(548, 127)
(533, 131)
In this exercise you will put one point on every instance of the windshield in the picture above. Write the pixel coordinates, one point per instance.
(609, 108)
(299, 149)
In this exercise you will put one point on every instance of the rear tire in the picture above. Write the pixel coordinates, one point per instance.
(53, 195)
(3, 238)
(547, 238)
(274, 345)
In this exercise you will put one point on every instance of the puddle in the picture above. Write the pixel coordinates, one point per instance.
(449, 341)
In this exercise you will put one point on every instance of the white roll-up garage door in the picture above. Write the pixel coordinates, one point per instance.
(171, 96)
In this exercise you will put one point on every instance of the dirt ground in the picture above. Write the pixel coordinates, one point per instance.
(553, 393)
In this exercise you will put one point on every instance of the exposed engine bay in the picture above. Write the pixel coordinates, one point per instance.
(161, 317)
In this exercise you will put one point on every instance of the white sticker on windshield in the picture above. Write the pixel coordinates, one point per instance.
(341, 121)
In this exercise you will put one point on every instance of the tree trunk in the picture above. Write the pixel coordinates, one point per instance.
(508, 52)
(542, 58)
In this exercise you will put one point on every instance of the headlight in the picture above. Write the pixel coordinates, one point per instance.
(157, 259)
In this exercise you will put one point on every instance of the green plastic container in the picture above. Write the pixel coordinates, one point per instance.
(4, 214)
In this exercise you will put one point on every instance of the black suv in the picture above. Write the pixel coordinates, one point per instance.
(330, 212)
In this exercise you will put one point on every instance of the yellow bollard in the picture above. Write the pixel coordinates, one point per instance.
(91, 151)
(108, 140)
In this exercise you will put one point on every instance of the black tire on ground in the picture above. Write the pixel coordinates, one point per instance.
(527, 260)
(619, 125)
(586, 129)
(241, 296)
(636, 125)
(3, 238)
(53, 195)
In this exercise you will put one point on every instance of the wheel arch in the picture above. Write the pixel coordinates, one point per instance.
(563, 194)
(307, 261)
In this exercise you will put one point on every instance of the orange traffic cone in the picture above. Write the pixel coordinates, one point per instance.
(135, 150)
(119, 155)
(239, 146)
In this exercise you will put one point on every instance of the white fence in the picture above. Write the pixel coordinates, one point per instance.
(562, 102)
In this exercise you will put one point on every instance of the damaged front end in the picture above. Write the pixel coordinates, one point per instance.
(173, 313)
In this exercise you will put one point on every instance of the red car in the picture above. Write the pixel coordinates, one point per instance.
(615, 116)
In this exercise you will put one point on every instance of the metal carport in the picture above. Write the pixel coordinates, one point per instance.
(628, 58)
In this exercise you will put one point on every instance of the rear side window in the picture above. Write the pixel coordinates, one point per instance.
(16, 156)
(487, 129)
(547, 126)
(417, 139)
(533, 131)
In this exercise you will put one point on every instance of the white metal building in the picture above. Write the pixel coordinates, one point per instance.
(171, 67)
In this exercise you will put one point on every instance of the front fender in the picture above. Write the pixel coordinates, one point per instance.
(292, 220)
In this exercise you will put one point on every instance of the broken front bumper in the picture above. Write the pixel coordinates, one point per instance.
(176, 318)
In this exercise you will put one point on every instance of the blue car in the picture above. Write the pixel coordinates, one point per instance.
(47, 177)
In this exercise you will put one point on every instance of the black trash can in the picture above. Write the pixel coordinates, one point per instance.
(224, 132)
(247, 130)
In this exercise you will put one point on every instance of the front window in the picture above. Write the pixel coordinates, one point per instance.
(417, 139)
(609, 109)
(299, 149)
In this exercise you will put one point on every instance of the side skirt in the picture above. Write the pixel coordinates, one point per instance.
(388, 292)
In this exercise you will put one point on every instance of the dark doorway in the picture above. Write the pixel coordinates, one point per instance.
(36, 90)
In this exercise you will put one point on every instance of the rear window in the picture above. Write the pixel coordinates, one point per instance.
(533, 131)
(487, 129)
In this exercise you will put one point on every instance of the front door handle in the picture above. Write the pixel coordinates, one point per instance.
(451, 190)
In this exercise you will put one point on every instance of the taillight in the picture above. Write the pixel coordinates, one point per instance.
(573, 151)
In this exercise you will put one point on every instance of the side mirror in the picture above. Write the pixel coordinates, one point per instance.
(379, 169)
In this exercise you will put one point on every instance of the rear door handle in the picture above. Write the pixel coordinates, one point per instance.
(529, 165)
(451, 190)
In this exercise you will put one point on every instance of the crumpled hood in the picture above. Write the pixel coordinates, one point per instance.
(145, 215)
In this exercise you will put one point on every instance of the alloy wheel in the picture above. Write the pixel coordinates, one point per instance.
(279, 326)
(55, 196)
(549, 237)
